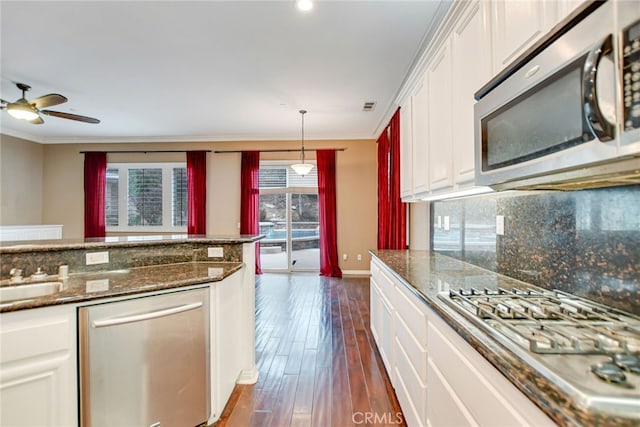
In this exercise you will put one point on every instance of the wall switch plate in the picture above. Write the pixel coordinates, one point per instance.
(215, 252)
(344, 257)
(439, 221)
(93, 258)
(447, 224)
(500, 225)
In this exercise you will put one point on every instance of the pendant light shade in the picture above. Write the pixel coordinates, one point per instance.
(302, 168)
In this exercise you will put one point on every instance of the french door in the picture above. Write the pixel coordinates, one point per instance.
(289, 220)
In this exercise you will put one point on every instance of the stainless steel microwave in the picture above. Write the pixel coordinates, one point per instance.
(566, 114)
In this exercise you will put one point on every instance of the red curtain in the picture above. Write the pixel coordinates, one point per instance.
(196, 192)
(250, 198)
(392, 213)
(326, 161)
(95, 181)
(384, 208)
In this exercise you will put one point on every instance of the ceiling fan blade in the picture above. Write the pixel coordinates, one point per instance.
(37, 121)
(48, 100)
(70, 116)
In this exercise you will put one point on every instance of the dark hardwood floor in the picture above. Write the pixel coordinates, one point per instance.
(317, 359)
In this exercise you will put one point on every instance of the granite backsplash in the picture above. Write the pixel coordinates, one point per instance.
(583, 242)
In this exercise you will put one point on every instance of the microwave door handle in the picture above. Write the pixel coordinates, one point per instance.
(599, 125)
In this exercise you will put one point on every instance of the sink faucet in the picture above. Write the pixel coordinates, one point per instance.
(16, 275)
(38, 275)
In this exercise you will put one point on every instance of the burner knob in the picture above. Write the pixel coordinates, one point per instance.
(611, 373)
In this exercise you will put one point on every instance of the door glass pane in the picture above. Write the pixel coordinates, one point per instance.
(273, 224)
(305, 234)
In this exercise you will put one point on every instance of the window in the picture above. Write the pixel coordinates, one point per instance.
(142, 197)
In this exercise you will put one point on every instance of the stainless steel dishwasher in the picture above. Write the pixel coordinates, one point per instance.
(145, 362)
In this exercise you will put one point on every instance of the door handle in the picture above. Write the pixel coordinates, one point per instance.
(145, 316)
(599, 125)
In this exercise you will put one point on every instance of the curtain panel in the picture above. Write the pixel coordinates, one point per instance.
(326, 162)
(392, 212)
(95, 181)
(196, 192)
(250, 198)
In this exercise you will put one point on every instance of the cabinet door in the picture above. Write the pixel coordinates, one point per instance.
(38, 368)
(471, 56)
(440, 86)
(406, 150)
(565, 7)
(516, 25)
(420, 103)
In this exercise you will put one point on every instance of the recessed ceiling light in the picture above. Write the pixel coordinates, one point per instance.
(304, 5)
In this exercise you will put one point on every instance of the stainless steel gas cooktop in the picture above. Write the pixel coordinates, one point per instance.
(589, 350)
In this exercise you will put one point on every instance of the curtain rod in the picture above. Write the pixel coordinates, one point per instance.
(145, 151)
(278, 150)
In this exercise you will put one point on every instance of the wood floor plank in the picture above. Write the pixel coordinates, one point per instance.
(317, 359)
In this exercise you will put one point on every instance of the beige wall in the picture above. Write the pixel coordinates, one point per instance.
(419, 225)
(20, 182)
(61, 183)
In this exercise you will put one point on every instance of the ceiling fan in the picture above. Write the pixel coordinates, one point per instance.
(30, 110)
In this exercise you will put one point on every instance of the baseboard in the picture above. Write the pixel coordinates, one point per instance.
(248, 376)
(356, 273)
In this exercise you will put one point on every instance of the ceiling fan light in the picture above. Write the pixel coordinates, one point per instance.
(304, 5)
(22, 111)
(302, 168)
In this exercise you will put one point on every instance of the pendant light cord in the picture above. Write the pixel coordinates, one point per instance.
(303, 112)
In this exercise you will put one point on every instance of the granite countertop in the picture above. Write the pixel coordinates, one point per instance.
(84, 287)
(120, 242)
(427, 274)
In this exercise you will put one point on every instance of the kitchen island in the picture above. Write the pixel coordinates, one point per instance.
(39, 366)
(409, 292)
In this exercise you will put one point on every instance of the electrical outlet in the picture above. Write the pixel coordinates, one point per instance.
(359, 257)
(344, 257)
(214, 271)
(215, 252)
(500, 225)
(100, 285)
(93, 258)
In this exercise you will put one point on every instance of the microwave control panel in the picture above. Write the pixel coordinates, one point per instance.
(631, 76)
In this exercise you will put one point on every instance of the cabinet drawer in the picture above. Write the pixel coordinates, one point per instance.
(447, 409)
(417, 389)
(412, 311)
(416, 353)
(383, 281)
(488, 396)
(411, 416)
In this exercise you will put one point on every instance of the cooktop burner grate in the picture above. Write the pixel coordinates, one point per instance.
(551, 321)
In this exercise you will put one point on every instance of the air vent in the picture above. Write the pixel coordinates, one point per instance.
(369, 106)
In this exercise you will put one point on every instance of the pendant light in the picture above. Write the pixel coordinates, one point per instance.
(302, 168)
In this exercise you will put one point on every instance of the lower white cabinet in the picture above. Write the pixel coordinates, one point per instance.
(439, 379)
(38, 380)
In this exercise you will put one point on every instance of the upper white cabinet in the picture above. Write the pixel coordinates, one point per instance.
(421, 135)
(440, 78)
(406, 150)
(516, 25)
(471, 63)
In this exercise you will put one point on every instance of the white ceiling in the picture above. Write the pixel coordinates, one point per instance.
(210, 70)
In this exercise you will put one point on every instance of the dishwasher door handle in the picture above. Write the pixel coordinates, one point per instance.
(145, 316)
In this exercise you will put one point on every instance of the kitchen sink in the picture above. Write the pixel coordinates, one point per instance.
(27, 291)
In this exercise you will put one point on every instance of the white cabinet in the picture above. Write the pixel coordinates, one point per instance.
(406, 150)
(420, 122)
(516, 25)
(439, 379)
(441, 118)
(38, 382)
(468, 390)
(471, 69)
